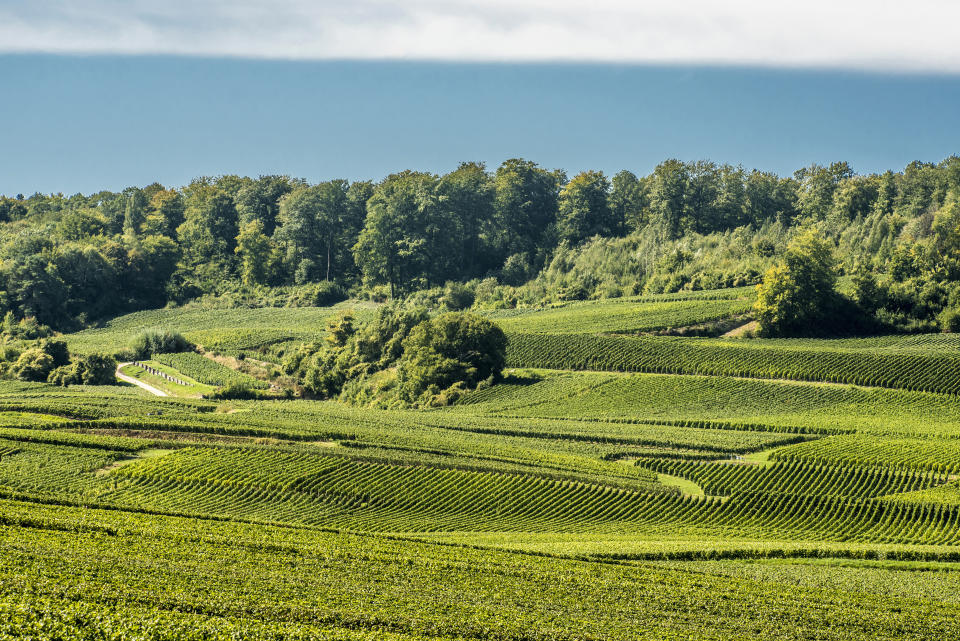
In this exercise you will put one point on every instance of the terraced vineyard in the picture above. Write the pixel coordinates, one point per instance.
(681, 492)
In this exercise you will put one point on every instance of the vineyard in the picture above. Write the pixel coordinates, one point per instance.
(932, 371)
(208, 371)
(611, 487)
(620, 317)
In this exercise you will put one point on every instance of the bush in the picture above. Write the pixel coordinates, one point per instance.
(33, 365)
(124, 355)
(236, 391)
(96, 369)
(517, 269)
(24, 329)
(950, 320)
(457, 297)
(450, 349)
(93, 369)
(155, 341)
(57, 350)
(327, 293)
(63, 375)
(797, 296)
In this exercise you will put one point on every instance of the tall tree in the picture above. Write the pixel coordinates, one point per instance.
(768, 196)
(701, 191)
(730, 206)
(817, 185)
(525, 206)
(467, 196)
(167, 206)
(798, 296)
(254, 248)
(312, 224)
(668, 198)
(584, 210)
(404, 240)
(260, 200)
(209, 231)
(134, 215)
(629, 201)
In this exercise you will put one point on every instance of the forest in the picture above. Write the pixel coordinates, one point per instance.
(520, 235)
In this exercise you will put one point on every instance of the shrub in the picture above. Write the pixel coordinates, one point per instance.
(24, 329)
(950, 320)
(57, 350)
(62, 375)
(450, 349)
(155, 341)
(796, 296)
(33, 365)
(328, 293)
(516, 269)
(93, 369)
(457, 297)
(96, 369)
(236, 391)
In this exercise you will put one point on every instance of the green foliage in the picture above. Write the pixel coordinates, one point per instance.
(430, 356)
(584, 210)
(33, 365)
(326, 293)
(24, 329)
(686, 226)
(796, 360)
(457, 297)
(158, 341)
(254, 248)
(317, 225)
(91, 369)
(450, 349)
(37, 363)
(950, 320)
(798, 297)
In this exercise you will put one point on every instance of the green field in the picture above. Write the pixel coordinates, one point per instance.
(216, 329)
(734, 489)
(626, 315)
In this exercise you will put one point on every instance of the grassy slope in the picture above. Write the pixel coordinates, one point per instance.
(192, 389)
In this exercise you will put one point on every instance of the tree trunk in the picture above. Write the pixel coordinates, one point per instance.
(328, 259)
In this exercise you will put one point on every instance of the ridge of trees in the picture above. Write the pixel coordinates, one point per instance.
(518, 233)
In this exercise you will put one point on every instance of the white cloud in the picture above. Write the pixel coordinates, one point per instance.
(870, 34)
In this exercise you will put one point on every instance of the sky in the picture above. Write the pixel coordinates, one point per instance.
(103, 94)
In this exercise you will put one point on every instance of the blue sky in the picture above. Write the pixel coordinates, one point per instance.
(106, 94)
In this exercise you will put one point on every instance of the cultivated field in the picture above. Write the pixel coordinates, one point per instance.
(613, 487)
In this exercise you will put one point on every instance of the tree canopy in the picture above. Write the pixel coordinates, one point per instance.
(519, 232)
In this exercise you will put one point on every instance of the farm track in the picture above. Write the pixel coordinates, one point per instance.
(134, 381)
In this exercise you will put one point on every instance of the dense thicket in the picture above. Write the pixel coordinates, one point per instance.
(401, 357)
(518, 234)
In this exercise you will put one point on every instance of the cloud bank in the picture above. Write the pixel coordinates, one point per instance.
(851, 34)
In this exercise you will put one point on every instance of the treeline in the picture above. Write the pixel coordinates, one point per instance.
(521, 233)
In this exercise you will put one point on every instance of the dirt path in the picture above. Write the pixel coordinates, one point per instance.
(133, 381)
